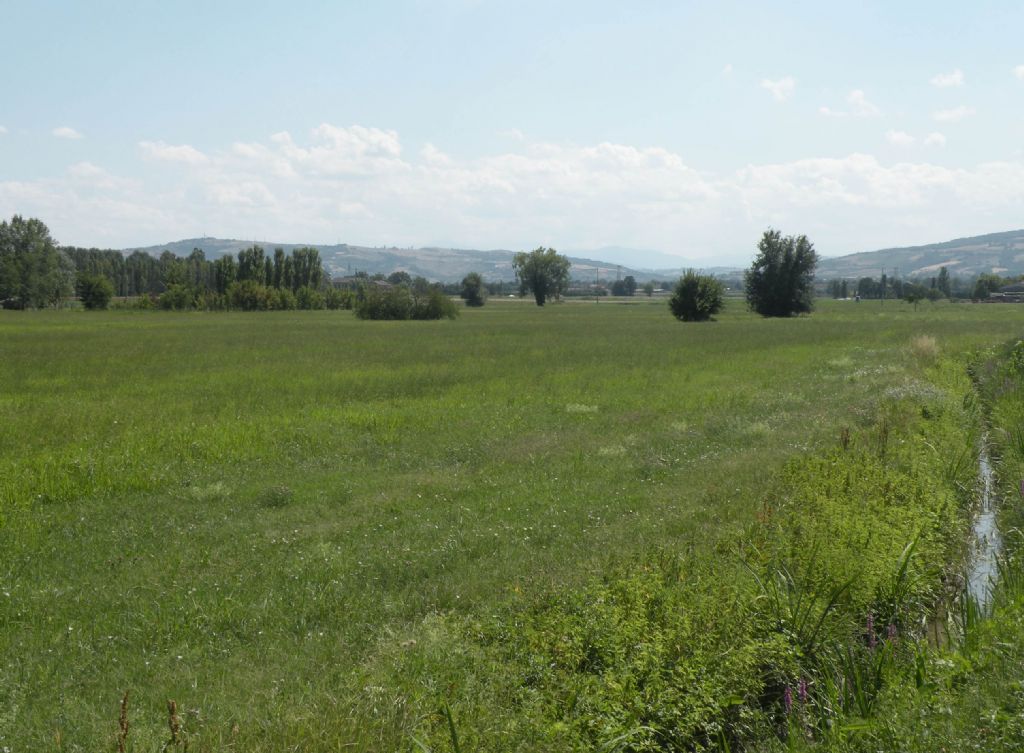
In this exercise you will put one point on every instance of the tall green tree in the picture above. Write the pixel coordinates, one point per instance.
(251, 265)
(943, 283)
(473, 291)
(279, 258)
(33, 272)
(543, 272)
(780, 282)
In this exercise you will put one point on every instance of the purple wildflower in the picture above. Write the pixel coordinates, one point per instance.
(787, 699)
(890, 633)
(1022, 487)
(872, 641)
(801, 691)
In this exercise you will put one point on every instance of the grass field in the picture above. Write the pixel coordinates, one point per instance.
(254, 513)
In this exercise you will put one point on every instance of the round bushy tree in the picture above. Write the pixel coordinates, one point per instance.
(95, 291)
(473, 292)
(696, 297)
(543, 272)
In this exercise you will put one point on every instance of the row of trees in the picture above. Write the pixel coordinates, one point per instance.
(941, 285)
(35, 272)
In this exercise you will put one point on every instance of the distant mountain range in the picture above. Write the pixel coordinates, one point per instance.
(1001, 253)
(444, 264)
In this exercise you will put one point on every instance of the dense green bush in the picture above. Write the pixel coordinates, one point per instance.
(335, 299)
(398, 303)
(282, 299)
(696, 297)
(176, 298)
(473, 291)
(95, 291)
(309, 299)
(249, 295)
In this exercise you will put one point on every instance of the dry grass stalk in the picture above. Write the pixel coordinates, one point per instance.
(122, 725)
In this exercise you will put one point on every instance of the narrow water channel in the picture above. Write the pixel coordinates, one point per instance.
(986, 541)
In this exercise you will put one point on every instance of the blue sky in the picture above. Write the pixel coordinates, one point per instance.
(682, 127)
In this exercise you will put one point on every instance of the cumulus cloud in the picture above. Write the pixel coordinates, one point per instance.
(899, 138)
(935, 139)
(954, 114)
(2, 130)
(359, 185)
(727, 69)
(1018, 71)
(857, 105)
(946, 80)
(66, 132)
(782, 89)
(158, 150)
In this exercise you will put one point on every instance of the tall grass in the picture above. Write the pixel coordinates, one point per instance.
(294, 523)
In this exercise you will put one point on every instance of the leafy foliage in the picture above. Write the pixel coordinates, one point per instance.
(543, 271)
(780, 282)
(33, 272)
(474, 291)
(400, 302)
(696, 297)
(95, 291)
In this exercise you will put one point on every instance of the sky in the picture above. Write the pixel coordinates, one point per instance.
(686, 128)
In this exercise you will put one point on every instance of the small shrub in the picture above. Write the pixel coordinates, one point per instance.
(176, 298)
(95, 291)
(282, 299)
(335, 299)
(435, 305)
(309, 299)
(249, 295)
(387, 304)
(696, 297)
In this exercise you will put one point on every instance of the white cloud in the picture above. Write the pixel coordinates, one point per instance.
(953, 115)
(66, 132)
(727, 69)
(782, 89)
(900, 138)
(1018, 71)
(946, 80)
(512, 133)
(935, 139)
(2, 130)
(356, 184)
(859, 106)
(158, 150)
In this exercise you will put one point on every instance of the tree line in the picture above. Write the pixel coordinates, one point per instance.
(934, 288)
(35, 272)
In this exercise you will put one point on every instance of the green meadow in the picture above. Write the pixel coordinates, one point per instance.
(316, 533)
